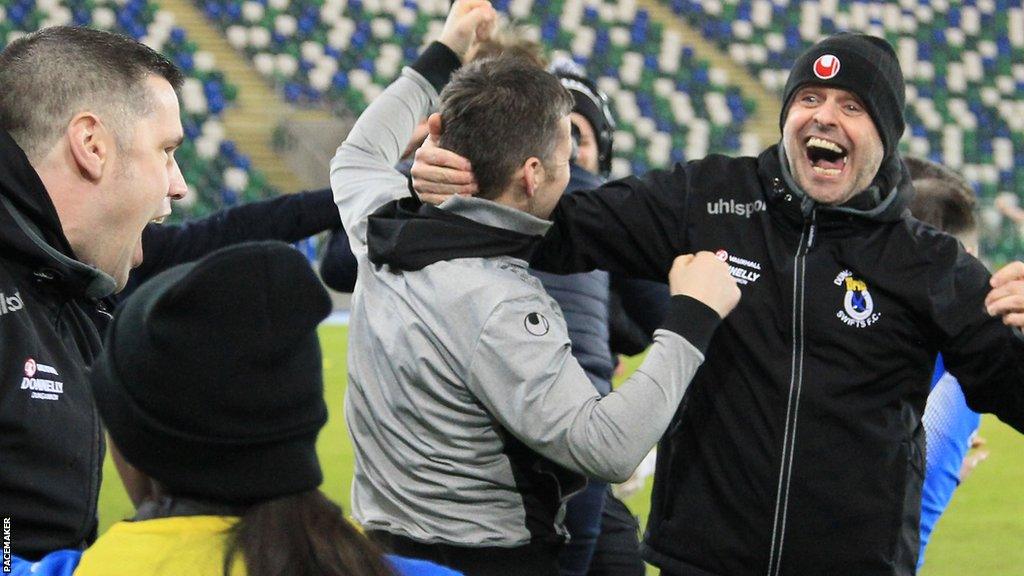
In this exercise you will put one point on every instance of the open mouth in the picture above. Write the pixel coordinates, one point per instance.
(826, 157)
(159, 219)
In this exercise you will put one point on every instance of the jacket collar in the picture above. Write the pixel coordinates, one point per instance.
(31, 232)
(408, 235)
(885, 200)
(496, 215)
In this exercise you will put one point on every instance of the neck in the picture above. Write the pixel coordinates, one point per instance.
(68, 201)
(517, 198)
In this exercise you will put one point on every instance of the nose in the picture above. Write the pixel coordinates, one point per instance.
(178, 188)
(826, 114)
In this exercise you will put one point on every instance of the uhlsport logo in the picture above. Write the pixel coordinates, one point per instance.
(858, 306)
(826, 66)
(536, 324)
(10, 304)
(745, 209)
(42, 388)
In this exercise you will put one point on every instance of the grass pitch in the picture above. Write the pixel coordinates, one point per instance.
(982, 532)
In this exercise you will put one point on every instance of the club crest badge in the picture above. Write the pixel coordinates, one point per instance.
(826, 66)
(858, 305)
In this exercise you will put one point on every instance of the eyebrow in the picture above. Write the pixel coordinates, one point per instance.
(854, 98)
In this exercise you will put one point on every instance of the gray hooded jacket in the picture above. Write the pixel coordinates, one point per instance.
(463, 396)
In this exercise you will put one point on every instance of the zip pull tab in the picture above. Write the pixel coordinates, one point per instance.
(807, 206)
(812, 230)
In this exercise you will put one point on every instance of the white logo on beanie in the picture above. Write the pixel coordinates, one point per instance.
(826, 66)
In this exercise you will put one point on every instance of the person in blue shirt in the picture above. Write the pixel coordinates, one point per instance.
(944, 200)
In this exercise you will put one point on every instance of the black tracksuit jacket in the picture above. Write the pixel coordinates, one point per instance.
(798, 449)
(53, 312)
(51, 446)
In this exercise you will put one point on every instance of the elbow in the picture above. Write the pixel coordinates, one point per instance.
(621, 472)
(614, 471)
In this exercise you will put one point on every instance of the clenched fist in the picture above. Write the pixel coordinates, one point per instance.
(706, 278)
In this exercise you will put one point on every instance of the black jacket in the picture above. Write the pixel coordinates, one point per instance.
(51, 448)
(799, 447)
(288, 218)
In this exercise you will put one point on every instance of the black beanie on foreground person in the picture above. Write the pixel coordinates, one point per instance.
(864, 65)
(210, 380)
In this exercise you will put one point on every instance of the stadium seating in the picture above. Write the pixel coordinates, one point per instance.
(964, 63)
(670, 106)
(217, 174)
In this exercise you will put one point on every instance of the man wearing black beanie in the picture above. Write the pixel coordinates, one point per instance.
(799, 449)
(842, 116)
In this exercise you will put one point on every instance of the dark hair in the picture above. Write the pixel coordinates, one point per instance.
(497, 113)
(302, 534)
(51, 75)
(942, 197)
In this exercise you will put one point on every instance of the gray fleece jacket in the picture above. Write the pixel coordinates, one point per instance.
(468, 414)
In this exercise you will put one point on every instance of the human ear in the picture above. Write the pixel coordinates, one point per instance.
(89, 141)
(533, 175)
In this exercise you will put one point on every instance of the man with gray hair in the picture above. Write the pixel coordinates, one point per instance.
(89, 122)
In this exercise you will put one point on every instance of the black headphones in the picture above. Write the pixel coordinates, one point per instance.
(606, 132)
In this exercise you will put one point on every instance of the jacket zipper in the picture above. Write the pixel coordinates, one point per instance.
(807, 238)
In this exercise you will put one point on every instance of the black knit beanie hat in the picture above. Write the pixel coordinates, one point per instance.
(211, 381)
(865, 65)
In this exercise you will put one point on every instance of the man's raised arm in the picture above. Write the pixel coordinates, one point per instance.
(363, 176)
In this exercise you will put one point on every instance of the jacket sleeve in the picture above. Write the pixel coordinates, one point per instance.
(635, 226)
(339, 267)
(289, 218)
(645, 302)
(986, 356)
(523, 372)
(624, 335)
(363, 174)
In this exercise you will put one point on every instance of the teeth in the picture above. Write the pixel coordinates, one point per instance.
(827, 171)
(159, 220)
(822, 143)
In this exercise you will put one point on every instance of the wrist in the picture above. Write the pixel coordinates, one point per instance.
(437, 64)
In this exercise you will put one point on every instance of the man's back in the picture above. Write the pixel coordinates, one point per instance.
(429, 434)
